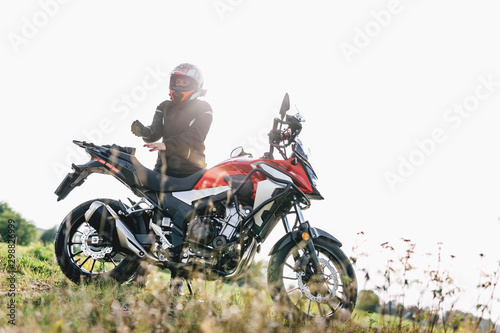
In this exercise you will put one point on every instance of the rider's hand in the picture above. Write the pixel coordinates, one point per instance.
(156, 146)
(139, 129)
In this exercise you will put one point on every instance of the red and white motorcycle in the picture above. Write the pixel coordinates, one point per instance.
(222, 215)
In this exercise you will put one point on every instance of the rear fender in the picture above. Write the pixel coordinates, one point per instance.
(295, 237)
(76, 178)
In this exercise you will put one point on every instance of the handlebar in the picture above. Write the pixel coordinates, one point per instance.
(281, 138)
(288, 135)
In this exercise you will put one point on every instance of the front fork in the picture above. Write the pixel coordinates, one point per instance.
(304, 235)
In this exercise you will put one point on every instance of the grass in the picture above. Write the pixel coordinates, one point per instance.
(45, 301)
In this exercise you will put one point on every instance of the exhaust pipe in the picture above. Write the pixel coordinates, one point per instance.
(109, 225)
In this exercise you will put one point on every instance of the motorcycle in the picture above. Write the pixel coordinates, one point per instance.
(222, 215)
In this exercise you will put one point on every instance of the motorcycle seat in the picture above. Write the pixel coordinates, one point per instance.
(159, 182)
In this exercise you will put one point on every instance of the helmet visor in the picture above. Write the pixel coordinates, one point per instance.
(182, 83)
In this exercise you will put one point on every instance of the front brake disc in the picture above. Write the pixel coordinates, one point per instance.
(330, 281)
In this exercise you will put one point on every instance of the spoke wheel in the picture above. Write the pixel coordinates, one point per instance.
(301, 293)
(90, 252)
(84, 255)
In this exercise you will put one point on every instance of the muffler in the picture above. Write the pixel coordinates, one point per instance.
(109, 225)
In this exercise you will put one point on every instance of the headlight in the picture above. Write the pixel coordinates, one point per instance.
(312, 175)
(299, 149)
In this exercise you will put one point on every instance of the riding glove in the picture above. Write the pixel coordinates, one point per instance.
(140, 130)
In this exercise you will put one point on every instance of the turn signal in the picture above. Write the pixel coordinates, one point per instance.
(305, 236)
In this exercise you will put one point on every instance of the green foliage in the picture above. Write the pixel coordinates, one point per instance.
(49, 235)
(35, 267)
(25, 230)
(42, 252)
(368, 301)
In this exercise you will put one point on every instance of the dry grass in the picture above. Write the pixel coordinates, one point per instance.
(47, 302)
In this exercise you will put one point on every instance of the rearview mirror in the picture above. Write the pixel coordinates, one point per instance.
(236, 152)
(239, 151)
(285, 106)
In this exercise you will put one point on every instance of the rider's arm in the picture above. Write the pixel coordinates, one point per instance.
(155, 128)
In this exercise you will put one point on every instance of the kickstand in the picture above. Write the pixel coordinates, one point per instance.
(188, 282)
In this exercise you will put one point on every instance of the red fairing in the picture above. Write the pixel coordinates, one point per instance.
(214, 177)
(297, 173)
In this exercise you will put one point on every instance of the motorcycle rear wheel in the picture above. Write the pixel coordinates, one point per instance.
(300, 295)
(82, 261)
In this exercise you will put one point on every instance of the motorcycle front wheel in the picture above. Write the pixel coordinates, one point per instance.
(300, 293)
(85, 256)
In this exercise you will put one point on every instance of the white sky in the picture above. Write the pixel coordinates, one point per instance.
(370, 77)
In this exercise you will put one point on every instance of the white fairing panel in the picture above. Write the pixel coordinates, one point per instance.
(193, 195)
(264, 191)
(266, 188)
(275, 172)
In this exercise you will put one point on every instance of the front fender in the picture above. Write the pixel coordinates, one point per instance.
(295, 235)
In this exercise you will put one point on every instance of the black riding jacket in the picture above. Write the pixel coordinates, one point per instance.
(183, 127)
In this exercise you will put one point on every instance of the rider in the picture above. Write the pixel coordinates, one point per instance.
(183, 123)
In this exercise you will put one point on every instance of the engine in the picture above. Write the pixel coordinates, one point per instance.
(211, 237)
(202, 230)
(216, 230)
